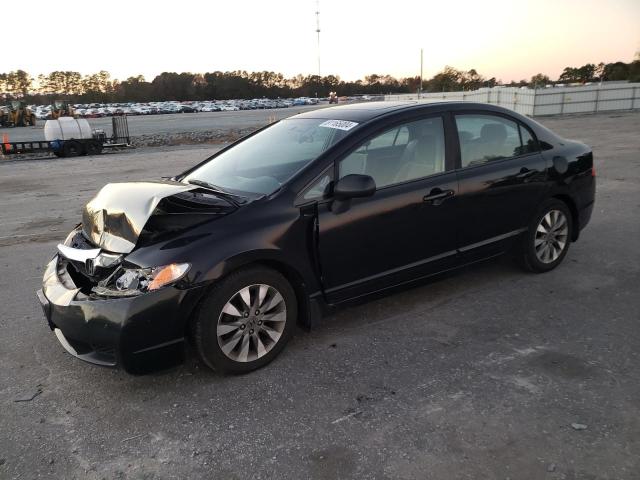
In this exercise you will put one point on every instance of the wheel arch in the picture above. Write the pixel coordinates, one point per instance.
(306, 313)
(575, 218)
(296, 281)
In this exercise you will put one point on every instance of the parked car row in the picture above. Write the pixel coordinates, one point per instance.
(44, 112)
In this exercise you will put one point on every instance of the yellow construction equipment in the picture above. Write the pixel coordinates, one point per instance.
(17, 114)
(61, 108)
(5, 116)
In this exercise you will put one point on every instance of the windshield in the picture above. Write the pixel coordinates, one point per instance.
(262, 163)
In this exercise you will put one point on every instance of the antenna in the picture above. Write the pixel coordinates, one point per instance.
(318, 32)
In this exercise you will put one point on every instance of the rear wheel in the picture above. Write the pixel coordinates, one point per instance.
(94, 148)
(71, 149)
(245, 321)
(547, 241)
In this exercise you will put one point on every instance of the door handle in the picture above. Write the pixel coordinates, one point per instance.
(437, 196)
(526, 173)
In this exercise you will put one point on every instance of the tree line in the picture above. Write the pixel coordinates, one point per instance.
(101, 88)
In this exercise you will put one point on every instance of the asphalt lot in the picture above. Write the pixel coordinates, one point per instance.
(172, 124)
(476, 376)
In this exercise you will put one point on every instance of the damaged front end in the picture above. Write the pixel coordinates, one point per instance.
(92, 294)
(124, 216)
(123, 212)
(90, 273)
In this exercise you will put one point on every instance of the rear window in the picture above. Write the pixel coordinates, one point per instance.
(484, 138)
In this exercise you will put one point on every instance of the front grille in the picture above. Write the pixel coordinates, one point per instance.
(76, 271)
(79, 275)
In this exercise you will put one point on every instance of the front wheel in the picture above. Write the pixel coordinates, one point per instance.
(548, 238)
(245, 321)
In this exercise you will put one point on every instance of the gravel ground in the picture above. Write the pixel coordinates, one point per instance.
(489, 374)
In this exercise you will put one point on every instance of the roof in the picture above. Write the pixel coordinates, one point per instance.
(357, 112)
(363, 112)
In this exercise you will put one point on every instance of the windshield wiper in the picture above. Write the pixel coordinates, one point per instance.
(215, 189)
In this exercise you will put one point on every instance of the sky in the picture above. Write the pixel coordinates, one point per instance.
(509, 40)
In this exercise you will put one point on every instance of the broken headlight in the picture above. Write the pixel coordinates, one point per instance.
(125, 282)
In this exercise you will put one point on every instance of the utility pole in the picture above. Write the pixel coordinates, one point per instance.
(318, 33)
(420, 87)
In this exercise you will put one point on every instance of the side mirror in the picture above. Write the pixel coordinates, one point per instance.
(354, 186)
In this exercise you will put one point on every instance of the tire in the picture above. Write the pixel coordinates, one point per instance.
(547, 240)
(94, 148)
(71, 149)
(233, 347)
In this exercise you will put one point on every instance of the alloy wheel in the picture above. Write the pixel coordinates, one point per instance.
(251, 322)
(551, 236)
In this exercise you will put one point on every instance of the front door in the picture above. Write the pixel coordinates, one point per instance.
(407, 229)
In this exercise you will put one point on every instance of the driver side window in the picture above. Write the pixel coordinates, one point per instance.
(403, 153)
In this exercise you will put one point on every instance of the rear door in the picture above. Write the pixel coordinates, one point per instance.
(502, 179)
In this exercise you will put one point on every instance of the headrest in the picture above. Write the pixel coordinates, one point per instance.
(465, 137)
(493, 132)
(425, 149)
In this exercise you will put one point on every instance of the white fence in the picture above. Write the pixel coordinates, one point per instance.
(545, 101)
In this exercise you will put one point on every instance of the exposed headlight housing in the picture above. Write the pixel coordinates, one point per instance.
(126, 282)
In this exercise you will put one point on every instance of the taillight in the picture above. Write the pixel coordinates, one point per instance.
(593, 171)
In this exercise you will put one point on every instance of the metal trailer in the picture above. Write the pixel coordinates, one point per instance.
(74, 147)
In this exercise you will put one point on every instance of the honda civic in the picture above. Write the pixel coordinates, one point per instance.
(306, 215)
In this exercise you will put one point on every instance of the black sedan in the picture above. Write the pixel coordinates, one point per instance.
(306, 215)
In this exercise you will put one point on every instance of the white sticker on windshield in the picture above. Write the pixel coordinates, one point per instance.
(339, 124)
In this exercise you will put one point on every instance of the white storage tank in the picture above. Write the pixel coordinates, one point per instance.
(66, 128)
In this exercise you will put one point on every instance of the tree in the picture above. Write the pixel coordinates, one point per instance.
(634, 71)
(3, 84)
(599, 71)
(135, 89)
(569, 74)
(539, 80)
(583, 74)
(587, 73)
(62, 83)
(218, 85)
(448, 80)
(17, 83)
(471, 80)
(175, 86)
(97, 87)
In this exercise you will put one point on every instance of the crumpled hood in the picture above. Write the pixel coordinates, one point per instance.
(115, 218)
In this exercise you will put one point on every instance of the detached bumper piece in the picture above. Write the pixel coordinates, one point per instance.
(140, 334)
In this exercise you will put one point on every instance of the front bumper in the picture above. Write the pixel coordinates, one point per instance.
(140, 334)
